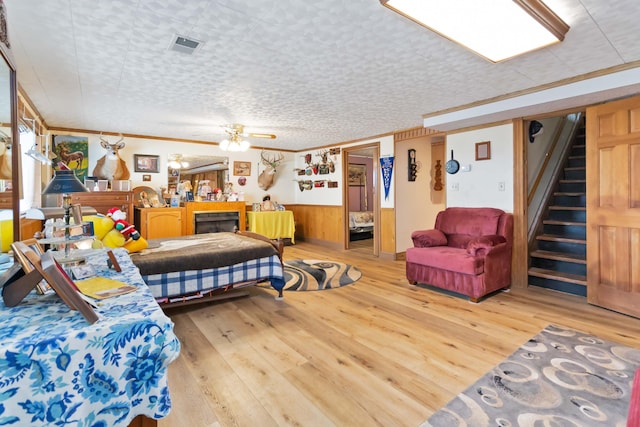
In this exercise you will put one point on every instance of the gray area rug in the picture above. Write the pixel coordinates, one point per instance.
(560, 378)
(315, 275)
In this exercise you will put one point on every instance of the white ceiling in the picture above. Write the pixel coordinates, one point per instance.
(315, 73)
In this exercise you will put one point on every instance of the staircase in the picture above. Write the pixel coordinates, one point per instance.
(559, 261)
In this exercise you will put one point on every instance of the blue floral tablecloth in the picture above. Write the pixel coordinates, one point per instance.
(56, 369)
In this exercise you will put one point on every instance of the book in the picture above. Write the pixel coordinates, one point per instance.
(103, 287)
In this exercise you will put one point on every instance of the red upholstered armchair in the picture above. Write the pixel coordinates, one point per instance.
(467, 252)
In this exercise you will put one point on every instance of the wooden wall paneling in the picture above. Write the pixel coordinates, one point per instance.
(387, 231)
(520, 251)
(318, 224)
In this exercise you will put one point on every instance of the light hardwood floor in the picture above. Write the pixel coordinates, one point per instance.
(379, 352)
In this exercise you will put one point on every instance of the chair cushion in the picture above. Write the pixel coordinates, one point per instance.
(446, 258)
(426, 238)
(469, 221)
(460, 241)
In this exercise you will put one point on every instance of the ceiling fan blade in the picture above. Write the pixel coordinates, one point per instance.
(260, 135)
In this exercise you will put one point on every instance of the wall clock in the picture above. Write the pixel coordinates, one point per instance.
(452, 165)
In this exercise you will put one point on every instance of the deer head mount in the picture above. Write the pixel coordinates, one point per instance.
(267, 176)
(111, 166)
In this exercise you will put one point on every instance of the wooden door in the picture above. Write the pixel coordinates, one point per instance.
(613, 206)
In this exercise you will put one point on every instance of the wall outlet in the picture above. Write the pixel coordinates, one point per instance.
(501, 186)
(455, 186)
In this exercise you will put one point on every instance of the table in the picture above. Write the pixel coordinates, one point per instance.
(273, 224)
(57, 369)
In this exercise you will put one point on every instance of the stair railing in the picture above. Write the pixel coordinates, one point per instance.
(556, 167)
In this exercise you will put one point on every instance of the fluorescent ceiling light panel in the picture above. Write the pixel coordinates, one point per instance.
(495, 29)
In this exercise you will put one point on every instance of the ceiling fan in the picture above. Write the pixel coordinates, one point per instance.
(238, 129)
(235, 142)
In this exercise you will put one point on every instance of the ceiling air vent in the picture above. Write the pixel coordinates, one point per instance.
(184, 44)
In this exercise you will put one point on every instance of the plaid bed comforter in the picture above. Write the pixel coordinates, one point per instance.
(181, 283)
(199, 263)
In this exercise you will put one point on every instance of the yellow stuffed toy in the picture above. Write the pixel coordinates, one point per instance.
(105, 231)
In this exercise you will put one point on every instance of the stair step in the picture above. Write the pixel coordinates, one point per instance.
(568, 193)
(559, 256)
(551, 238)
(555, 275)
(577, 157)
(567, 208)
(558, 222)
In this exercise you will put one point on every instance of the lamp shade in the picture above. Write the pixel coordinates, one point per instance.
(64, 181)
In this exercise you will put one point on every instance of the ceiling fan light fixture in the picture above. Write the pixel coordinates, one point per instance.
(234, 143)
(496, 30)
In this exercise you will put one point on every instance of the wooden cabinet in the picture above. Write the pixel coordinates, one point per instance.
(102, 201)
(155, 223)
(6, 201)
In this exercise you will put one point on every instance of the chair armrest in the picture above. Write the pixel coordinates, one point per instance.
(428, 238)
(480, 246)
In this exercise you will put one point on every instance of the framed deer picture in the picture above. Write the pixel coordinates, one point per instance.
(72, 151)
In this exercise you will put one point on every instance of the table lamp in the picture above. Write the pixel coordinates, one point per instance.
(65, 182)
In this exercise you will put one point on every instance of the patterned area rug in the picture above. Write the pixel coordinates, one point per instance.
(561, 377)
(315, 275)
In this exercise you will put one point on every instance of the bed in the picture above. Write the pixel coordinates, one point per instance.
(360, 225)
(203, 267)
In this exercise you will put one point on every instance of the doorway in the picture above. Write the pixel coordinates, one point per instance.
(362, 198)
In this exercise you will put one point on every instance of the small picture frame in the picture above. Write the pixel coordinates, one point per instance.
(146, 163)
(146, 177)
(483, 150)
(357, 174)
(242, 168)
(20, 250)
(60, 281)
(83, 271)
(46, 267)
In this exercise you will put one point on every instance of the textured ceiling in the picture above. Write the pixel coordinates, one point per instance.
(313, 72)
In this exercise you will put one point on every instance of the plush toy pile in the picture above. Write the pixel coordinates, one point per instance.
(113, 231)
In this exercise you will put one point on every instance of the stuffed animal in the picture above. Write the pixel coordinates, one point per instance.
(106, 233)
(128, 230)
